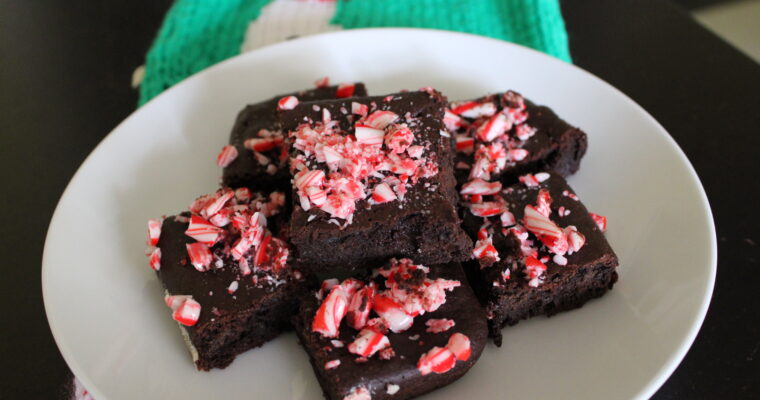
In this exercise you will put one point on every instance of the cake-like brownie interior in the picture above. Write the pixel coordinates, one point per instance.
(261, 164)
(373, 180)
(554, 259)
(394, 370)
(502, 136)
(244, 294)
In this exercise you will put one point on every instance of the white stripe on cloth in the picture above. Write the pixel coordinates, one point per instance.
(281, 20)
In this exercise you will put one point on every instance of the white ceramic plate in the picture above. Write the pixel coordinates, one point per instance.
(105, 305)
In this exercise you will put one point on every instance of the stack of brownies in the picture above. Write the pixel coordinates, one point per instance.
(395, 234)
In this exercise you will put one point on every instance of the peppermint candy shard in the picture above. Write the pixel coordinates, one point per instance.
(600, 220)
(459, 345)
(438, 325)
(155, 259)
(368, 342)
(547, 231)
(203, 231)
(358, 393)
(473, 109)
(332, 364)
(330, 313)
(186, 311)
(368, 135)
(287, 103)
(487, 208)
(479, 186)
(381, 119)
(200, 255)
(392, 313)
(438, 360)
(154, 231)
(226, 156)
(322, 82)
(345, 90)
(359, 308)
(383, 193)
(493, 128)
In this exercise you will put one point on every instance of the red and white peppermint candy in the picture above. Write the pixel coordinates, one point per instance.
(200, 256)
(154, 231)
(507, 219)
(240, 247)
(546, 230)
(534, 271)
(517, 154)
(306, 178)
(345, 90)
(155, 259)
(381, 119)
(368, 135)
(543, 203)
(438, 325)
(516, 115)
(243, 194)
(399, 138)
(465, 144)
(481, 169)
(332, 364)
(493, 128)
(359, 108)
(524, 131)
(459, 344)
(287, 103)
(350, 286)
(575, 239)
(330, 313)
(358, 393)
(479, 186)
(359, 307)
(529, 180)
(487, 208)
(392, 313)
(233, 287)
(322, 82)
(383, 193)
(438, 360)
(452, 121)
(368, 342)
(262, 144)
(186, 310)
(484, 250)
(600, 220)
(228, 154)
(261, 256)
(216, 205)
(415, 151)
(473, 109)
(203, 231)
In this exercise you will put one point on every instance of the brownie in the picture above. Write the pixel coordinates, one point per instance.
(384, 189)
(511, 136)
(393, 372)
(226, 296)
(512, 251)
(268, 170)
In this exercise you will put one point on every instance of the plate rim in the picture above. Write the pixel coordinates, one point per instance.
(664, 372)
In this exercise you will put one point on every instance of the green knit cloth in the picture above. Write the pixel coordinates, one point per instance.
(199, 33)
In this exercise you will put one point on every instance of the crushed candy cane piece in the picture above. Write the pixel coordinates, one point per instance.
(534, 271)
(155, 259)
(330, 313)
(600, 220)
(322, 82)
(154, 231)
(345, 90)
(459, 344)
(287, 103)
(200, 256)
(358, 393)
(332, 364)
(368, 342)
(186, 311)
(479, 186)
(228, 154)
(233, 287)
(438, 325)
(203, 231)
(438, 360)
(392, 389)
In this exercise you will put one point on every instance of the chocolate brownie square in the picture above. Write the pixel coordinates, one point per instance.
(256, 156)
(227, 278)
(502, 136)
(405, 332)
(539, 251)
(373, 180)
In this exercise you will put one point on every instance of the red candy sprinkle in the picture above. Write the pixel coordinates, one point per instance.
(203, 231)
(155, 259)
(226, 156)
(459, 344)
(600, 220)
(322, 82)
(200, 256)
(439, 325)
(438, 360)
(479, 186)
(345, 90)
(186, 310)
(287, 103)
(368, 342)
(154, 231)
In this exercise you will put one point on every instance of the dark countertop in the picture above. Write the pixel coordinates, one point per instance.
(64, 84)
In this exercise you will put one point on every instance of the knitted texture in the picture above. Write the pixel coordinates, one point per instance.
(199, 33)
(532, 23)
(194, 35)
